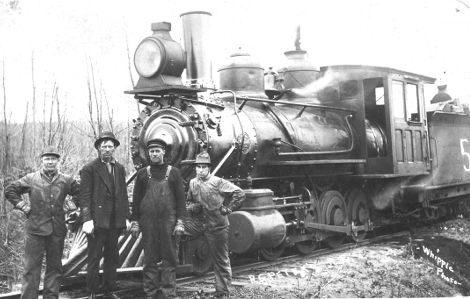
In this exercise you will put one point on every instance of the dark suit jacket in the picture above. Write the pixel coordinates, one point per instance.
(96, 198)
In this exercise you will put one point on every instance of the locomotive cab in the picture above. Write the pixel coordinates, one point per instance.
(395, 121)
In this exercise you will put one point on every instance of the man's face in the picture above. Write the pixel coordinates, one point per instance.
(156, 155)
(106, 150)
(50, 163)
(202, 170)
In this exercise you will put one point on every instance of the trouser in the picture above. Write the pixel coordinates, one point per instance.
(217, 241)
(35, 246)
(160, 256)
(102, 243)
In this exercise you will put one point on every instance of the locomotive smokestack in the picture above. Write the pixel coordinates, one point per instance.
(197, 43)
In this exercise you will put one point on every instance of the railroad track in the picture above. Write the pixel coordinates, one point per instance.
(134, 288)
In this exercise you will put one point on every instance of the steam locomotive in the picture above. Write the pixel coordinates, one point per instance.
(323, 154)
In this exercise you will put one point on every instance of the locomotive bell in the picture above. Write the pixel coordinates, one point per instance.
(299, 71)
(158, 59)
(242, 74)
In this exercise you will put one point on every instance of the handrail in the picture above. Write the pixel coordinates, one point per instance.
(229, 152)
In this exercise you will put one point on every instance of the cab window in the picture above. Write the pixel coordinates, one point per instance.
(398, 99)
(412, 103)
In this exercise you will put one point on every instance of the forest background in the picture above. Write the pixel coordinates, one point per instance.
(47, 121)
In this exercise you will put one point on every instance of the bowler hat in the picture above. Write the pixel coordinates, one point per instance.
(50, 151)
(156, 142)
(107, 135)
(203, 158)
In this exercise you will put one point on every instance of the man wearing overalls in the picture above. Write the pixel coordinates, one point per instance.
(157, 210)
(211, 200)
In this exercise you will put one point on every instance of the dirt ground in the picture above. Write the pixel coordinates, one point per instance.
(422, 266)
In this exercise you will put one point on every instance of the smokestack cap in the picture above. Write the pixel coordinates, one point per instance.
(196, 12)
(161, 26)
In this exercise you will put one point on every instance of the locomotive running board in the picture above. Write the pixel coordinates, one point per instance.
(316, 162)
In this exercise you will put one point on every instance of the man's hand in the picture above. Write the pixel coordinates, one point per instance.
(135, 229)
(179, 228)
(224, 210)
(24, 207)
(88, 227)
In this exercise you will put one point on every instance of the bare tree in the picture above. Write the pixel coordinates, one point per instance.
(95, 103)
(23, 137)
(129, 65)
(6, 159)
(34, 105)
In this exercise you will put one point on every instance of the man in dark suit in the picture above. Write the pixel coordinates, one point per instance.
(105, 210)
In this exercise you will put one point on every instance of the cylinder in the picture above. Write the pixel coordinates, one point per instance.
(259, 226)
(197, 43)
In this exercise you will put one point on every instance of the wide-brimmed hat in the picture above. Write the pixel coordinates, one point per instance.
(156, 142)
(107, 135)
(203, 158)
(50, 151)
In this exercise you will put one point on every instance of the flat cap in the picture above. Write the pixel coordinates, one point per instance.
(156, 142)
(50, 151)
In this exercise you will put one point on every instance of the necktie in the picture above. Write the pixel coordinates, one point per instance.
(110, 168)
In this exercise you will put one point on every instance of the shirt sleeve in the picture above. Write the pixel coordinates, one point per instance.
(233, 192)
(178, 191)
(14, 190)
(138, 194)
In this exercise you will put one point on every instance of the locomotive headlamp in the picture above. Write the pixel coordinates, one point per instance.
(148, 58)
(159, 59)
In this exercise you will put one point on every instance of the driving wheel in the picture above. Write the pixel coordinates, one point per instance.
(358, 211)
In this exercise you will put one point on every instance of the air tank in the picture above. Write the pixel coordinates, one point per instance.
(258, 224)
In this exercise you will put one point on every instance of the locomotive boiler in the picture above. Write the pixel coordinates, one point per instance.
(323, 154)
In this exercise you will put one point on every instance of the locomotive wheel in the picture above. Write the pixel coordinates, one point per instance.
(201, 259)
(358, 211)
(334, 213)
(272, 254)
(307, 247)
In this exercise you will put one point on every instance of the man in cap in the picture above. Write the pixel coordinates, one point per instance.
(158, 207)
(212, 199)
(45, 225)
(105, 209)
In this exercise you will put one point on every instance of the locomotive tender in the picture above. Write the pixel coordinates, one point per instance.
(322, 154)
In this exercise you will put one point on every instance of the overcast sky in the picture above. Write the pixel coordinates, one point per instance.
(430, 37)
